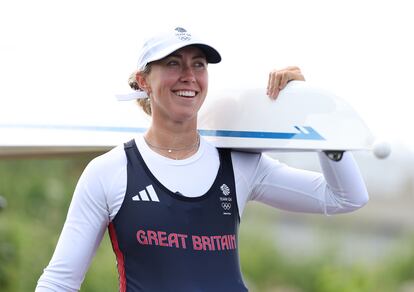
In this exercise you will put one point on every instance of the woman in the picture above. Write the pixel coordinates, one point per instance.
(171, 201)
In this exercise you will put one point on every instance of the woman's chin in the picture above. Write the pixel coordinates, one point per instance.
(185, 114)
(185, 118)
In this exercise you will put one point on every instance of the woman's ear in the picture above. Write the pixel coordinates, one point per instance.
(142, 82)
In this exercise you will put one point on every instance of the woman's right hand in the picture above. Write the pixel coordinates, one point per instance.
(278, 79)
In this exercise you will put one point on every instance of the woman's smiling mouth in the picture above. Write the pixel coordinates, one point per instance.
(186, 93)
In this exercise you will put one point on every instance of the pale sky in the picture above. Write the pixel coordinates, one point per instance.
(62, 59)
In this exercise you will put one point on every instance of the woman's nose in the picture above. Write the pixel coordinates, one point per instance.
(188, 74)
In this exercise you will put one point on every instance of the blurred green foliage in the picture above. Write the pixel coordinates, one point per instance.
(38, 192)
(266, 269)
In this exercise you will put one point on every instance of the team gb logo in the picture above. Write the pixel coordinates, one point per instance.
(225, 189)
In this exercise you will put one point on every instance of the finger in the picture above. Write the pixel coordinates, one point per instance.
(273, 86)
(270, 83)
(275, 92)
(276, 84)
(285, 78)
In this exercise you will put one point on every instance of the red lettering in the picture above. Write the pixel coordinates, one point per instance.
(213, 246)
(142, 239)
(233, 241)
(152, 236)
(162, 238)
(197, 245)
(224, 242)
(173, 240)
(206, 243)
(217, 239)
(183, 238)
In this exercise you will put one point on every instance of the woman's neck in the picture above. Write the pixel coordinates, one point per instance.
(178, 141)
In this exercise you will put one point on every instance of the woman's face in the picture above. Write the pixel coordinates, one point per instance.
(178, 85)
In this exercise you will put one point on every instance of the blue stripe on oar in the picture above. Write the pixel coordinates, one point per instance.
(307, 134)
(311, 134)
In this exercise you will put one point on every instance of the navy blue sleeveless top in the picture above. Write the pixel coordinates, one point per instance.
(164, 241)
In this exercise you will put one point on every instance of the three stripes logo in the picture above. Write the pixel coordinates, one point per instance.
(148, 194)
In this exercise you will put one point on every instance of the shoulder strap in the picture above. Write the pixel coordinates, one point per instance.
(129, 144)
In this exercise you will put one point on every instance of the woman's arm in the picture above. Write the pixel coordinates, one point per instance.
(86, 222)
(339, 189)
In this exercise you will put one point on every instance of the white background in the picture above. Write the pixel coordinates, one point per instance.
(67, 59)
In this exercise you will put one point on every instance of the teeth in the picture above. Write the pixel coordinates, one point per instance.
(186, 93)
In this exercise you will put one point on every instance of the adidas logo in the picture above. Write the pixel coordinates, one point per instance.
(148, 194)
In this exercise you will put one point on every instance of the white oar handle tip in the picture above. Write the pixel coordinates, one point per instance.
(381, 149)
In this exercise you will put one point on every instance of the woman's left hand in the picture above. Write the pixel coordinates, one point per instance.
(279, 78)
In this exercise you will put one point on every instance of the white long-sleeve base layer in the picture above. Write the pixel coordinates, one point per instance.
(101, 188)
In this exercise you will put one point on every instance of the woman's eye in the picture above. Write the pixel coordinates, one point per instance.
(199, 65)
(172, 63)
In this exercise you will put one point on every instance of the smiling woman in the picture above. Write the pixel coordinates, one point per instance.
(172, 201)
(177, 86)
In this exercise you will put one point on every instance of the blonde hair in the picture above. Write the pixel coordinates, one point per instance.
(144, 103)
